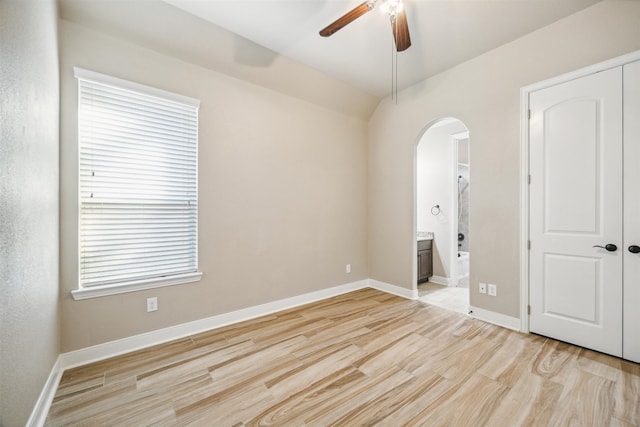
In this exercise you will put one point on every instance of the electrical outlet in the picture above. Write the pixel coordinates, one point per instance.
(493, 291)
(152, 304)
(348, 268)
(482, 288)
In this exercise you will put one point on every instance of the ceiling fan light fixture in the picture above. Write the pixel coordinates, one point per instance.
(399, 27)
(391, 7)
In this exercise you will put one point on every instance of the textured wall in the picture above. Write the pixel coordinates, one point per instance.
(29, 325)
(485, 94)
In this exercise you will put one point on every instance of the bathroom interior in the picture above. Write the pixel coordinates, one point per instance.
(442, 215)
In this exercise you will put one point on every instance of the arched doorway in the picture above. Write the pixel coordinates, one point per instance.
(443, 185)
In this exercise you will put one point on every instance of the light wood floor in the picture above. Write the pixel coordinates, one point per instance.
(362, 358)
(450, 297)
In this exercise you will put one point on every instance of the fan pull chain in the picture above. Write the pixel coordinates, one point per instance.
(395, 77)
(394, 63)
(392, 72)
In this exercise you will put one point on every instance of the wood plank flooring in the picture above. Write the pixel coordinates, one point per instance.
(363, 358)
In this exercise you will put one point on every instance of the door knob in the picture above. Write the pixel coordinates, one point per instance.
(634, 249)
(609, 246)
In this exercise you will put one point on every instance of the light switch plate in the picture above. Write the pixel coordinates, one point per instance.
(493, 291)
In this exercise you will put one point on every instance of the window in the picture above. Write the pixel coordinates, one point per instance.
(137, 186)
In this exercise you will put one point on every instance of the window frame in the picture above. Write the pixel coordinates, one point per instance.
(83, 292)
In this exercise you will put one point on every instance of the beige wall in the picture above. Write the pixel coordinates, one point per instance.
(29, 315)
(282, 200)
(484, 94)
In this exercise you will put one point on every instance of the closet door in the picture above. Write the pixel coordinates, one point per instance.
(575, 206)
(631, 327)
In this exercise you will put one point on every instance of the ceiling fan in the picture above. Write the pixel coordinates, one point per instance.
(396, 13)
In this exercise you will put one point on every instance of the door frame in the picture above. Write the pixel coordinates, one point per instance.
(524, 166)
(454, 140)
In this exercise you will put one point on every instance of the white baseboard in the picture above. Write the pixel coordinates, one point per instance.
(41, 408)
(393, 289)
(137, 342)
(495, 318)
(440, 280)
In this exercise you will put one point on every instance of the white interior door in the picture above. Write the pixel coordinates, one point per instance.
(631, 309)
(576, 204)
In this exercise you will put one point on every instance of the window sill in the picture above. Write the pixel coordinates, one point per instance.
(101, 291)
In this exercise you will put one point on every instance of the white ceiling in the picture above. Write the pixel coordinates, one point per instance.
(444, 33)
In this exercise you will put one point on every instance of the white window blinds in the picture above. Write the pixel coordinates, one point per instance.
(138, 183)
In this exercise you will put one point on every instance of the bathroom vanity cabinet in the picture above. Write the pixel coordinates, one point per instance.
(425, 260)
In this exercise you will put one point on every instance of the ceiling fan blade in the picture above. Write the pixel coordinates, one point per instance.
(347, 18)
(401, 31)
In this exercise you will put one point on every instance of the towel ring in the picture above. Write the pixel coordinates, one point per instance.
(435, 210)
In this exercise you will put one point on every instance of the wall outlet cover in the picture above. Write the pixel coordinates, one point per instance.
(152, 304)
(482, 288)
(493, 290)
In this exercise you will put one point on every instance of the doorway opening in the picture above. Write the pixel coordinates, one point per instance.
(443, 185)
(463, 189)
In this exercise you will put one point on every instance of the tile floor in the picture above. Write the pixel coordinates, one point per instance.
(361, 358)
(450, 297)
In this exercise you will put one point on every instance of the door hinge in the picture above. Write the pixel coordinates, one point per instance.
(529, 179)
(529, 114)
(529, 309)
(529, 244)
